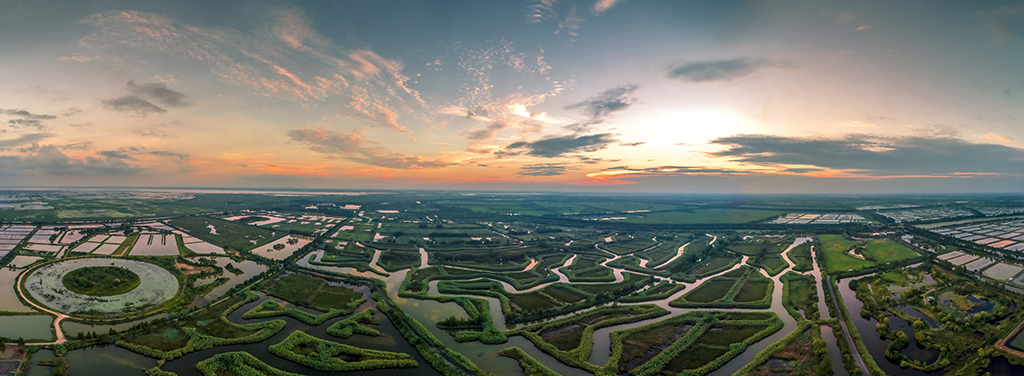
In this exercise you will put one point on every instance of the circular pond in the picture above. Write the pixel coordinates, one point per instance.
(101, 286)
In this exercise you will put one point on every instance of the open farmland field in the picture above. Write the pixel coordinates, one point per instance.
(224, 233)
(835, 252)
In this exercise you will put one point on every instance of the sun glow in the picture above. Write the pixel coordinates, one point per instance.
(686, 127)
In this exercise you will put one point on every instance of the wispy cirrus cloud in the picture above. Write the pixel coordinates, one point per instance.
(282, 58)
(543, 169)
(995, 137)
(1004, 22)
(601, 6)
(24, 139)
(723, 70)
(356, 147)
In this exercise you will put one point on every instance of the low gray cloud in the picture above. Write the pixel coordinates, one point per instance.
(723, 70)
(600, 107)
(49, 160)
(357, 148)
(874, 155)
(24, 139)
(24, 123)
(633, 144)
(543, 169)
(115, 154)
(140, 95)
(27, 115)
(674, 170)
(132, 103)
(558, 147)
(158, 93)
(552, 147)
(26, 119)
(487, 132)
(169, 154)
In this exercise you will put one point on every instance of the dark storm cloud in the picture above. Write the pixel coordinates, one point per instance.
(157, 93)
(722, 70)
(132, 103)
(600, 107)
(558, 146)
(874, 155)
(24, 139)
(543, 169)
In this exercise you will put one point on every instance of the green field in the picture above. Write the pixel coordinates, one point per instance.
(228, 234)
(835, 254)
(835, 250)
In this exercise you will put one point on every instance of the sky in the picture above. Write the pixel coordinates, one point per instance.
(539, 95)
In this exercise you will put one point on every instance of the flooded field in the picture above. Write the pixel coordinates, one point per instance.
(9, 301)
(281, 248)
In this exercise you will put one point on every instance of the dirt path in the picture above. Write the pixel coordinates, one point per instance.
(56, 322)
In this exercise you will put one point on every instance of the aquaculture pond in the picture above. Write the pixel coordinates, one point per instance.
(249, 269)
(106, 360)
(34, 369)
(877, 345)
(32, 328)
(9, 301)
(1002, 367)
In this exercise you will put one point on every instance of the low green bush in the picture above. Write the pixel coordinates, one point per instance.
(323, 355)
(530, 366)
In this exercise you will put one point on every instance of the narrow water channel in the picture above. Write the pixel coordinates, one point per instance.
(876, 344)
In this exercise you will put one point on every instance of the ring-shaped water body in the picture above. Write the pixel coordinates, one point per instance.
(45, 285)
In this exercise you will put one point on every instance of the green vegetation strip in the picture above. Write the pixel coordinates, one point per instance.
(530, 366)
(238, 363)
(198, 341)
(700, 350)
(355, 325)
(571, 339)
(323, 355)
(271, 308)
